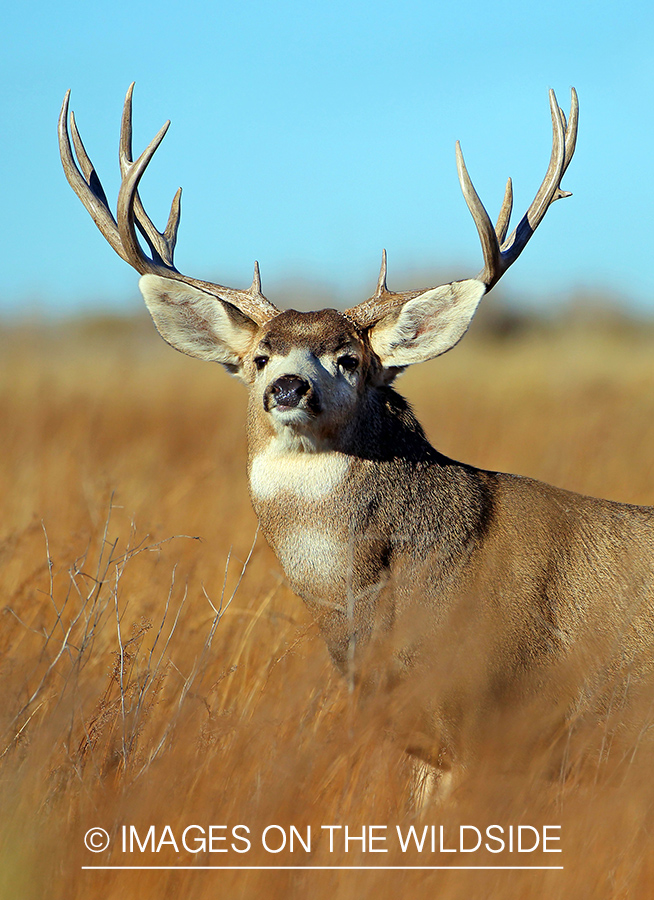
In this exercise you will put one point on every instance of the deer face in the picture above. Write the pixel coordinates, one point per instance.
(307, 372)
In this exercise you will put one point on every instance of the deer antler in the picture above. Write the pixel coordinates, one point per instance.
(120, 232)
(499, 251)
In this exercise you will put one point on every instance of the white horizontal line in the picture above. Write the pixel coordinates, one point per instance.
(332, 868)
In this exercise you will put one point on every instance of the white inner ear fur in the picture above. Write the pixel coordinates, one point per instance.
(197, 323)
(428, 325)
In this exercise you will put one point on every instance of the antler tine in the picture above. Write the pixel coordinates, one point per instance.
(381, 281)
(550, 183)
(85, 164)
(125, 213)
(502, 224)
(499, 254)
(162, 245)
(86, 183)
(570, 132)
(170, 231)
(489, 239)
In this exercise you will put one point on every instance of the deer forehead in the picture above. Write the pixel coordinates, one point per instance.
(308, 476)
(318, 333)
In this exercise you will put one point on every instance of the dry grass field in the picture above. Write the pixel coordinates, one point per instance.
(156, 670)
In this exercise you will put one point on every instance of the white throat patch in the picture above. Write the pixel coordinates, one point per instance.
(307, 476)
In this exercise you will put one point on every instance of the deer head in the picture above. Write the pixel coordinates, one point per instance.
(307, 372)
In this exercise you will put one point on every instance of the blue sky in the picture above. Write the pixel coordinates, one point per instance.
(309, 136)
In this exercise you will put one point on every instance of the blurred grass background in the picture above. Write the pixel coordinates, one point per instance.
(150, 676)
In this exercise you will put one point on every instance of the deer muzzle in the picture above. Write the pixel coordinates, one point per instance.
(289, 392)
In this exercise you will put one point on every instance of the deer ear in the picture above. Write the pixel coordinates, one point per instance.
(197, 323)
(428, 325)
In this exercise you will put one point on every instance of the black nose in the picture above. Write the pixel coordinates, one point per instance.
(288, 390)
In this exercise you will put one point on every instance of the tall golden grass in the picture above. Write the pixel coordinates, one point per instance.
(156, 670)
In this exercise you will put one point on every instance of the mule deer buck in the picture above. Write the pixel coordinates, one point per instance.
(400, 553)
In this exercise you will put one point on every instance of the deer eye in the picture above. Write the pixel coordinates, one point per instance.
(347, 363)
(260, 362)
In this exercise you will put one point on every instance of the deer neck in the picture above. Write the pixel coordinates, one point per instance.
(332, 515)
(300, 485)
